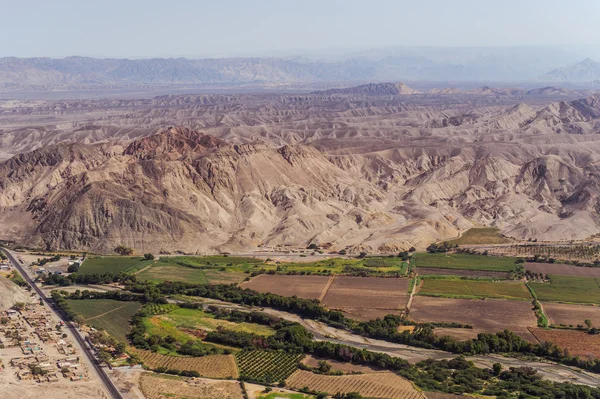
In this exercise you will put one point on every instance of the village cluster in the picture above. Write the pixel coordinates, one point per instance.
(35, 347)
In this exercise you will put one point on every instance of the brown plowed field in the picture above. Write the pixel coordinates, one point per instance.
(156, 386)
(366, 298)
(489, 315)
(344, 367)
(309, 287)
(559, 313)
(460, 272)
(577, 342)
(377, 385)
(563, 270)
(212, 366)
(440, 395)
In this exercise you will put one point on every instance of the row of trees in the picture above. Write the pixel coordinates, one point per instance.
(453, 376)
(385, 329)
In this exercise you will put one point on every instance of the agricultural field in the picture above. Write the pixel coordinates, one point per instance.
(107, 314)
(561, 314)
(560, 269)
(270, 366)
(580, 252)
(309, 287)
(458, 288)
(339, 265)
(256, 391)
(464, 261)
(159, 272)
(489, 315)
(480, 235)
(160, 386)
(441, 395)
(435, 271)
(113, 264)
(185, 324)
(366, 298)
(577, 342)
(344, 367)
(568, 289)
(211, 366)
(375, 385)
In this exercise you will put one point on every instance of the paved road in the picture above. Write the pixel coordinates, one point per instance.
(110, 387)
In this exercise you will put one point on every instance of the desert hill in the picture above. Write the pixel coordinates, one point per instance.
(375, 172)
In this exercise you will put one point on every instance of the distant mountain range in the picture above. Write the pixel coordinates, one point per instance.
(433, 64)
(587, 70)
(399, 88)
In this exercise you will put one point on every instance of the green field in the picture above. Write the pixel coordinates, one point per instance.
(568, 289)
(458, 288)
(464, 261)
(113, 264)
(268, 366)
(162, 272)
(180, 323)
(232, 270)
(480, 235)
(110, 315)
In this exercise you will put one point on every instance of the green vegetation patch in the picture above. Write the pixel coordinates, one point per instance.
(480, 235)
(459, 288)
(160, 272)
(568, 289)
(107, 314)
(464, 261)
(267, 366)
(233, 270)
(113, 264)
(184, 324)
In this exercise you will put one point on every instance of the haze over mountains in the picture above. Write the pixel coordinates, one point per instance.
(433, 64)
(364, 168)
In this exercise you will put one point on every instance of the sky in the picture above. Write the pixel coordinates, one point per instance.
(199, 28)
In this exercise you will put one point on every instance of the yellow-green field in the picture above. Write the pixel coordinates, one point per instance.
(182, 323)
(464, 261)
(480, 235)
(231, 269)
(568, 289)
(458, 288)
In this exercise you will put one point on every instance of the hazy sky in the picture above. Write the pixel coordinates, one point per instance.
(143, 28)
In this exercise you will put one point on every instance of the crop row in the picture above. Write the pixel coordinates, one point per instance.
(267, 366)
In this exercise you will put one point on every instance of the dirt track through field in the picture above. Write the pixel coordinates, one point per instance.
(105, 313)
(329, 282)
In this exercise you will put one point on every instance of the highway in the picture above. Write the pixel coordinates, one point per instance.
(110, 387)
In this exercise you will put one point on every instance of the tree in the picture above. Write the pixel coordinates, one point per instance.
(123, 250)
(412, 249)
(362, 255)
(79, 320)
(342, 252)
(119, 348)
(312, 246)
(148, 256)
(324, 367)
(73, 268)
(588, 323)
(497, 368)
(104, 356)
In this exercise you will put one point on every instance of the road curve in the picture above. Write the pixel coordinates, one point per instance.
(110, 387)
